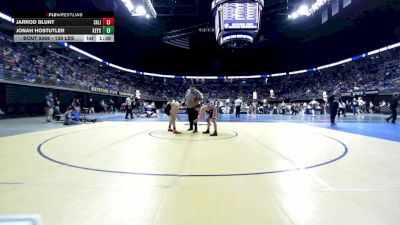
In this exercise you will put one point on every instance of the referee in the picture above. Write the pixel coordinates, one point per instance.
(238, 104)
(193, 98)
(394, 103)
(333, 105)
(128, 105)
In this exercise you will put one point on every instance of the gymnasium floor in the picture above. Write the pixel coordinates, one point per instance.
(265, 170)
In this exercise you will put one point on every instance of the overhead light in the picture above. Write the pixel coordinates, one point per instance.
(140, 10)
(150, 8)
(49, 46)
(303, 10)
(129, 5)
(317, 5)
(6, 17)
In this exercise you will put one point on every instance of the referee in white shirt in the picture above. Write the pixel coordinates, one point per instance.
(238, 105)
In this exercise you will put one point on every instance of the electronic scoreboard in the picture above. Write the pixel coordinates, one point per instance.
(236, 21)
(64, 27)
(240, 15)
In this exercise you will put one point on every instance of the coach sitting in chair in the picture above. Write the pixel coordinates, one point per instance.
(73, 117)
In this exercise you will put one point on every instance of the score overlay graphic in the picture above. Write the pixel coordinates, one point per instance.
(64, 27)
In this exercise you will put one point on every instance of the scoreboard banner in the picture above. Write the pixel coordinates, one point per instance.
(61, 26)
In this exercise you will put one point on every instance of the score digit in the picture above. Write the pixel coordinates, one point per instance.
(108, 21)
(108, 30)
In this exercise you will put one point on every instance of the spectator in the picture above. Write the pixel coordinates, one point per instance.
(56, 113)
(48, 106)
(91, 106)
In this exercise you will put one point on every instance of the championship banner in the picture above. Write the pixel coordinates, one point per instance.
(137, 95)
(113, 92)
(108, 91)
(371, 92)
(347, 94)
(356, 93)
(125, 94)
(226, 109)
(255, 95)
(100, 90)
(271, 93)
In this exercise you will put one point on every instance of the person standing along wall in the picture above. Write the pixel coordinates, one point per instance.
(111, 106)
(393, 108)
(56, 112)
(91, 106)
(354, 106)
(342, 108)
(48, 106)
(265, 104)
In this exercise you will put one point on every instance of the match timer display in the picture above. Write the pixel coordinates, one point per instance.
(64, 27)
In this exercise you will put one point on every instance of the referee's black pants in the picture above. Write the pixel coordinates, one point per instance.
(238, 111)
(128, 112)
(192, 115)
(334, 111)
(393, 116)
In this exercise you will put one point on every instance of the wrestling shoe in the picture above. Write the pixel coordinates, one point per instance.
(214, 134)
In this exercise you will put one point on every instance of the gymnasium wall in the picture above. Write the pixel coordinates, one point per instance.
(20, 100)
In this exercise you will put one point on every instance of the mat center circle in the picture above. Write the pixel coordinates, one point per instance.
(190, 136)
